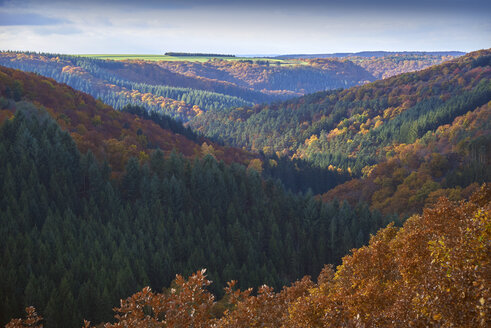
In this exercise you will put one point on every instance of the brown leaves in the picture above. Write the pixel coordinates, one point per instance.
(187, 305)
(32, 320)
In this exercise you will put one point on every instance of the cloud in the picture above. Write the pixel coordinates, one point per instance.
(380, 5)
(28, 19)
(267, 26)
(51, 30)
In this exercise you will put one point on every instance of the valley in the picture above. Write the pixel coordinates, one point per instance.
(187, 190)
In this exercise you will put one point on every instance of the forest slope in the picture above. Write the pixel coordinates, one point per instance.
(111, 135)
(77, 238)
(185, 89)
(354, 129)
(450, 161)
(425, 274)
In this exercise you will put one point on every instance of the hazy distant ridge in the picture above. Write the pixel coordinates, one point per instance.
(371, 54)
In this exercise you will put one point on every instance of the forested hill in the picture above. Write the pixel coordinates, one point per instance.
(357, 128)
(390, 64)
(383, 64)
(111, 135)
(425, 274)
(145, 84)
(280, 78)
(184, 89)
(77, 238)
(451, 161)
(374, 54)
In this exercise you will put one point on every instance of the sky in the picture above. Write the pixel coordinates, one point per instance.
(243, 27)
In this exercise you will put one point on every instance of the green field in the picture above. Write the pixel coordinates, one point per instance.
(176, 58)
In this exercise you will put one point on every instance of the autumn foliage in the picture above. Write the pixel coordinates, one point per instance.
(110, 134)
(32, 320)
(434, 271)
(417, 174)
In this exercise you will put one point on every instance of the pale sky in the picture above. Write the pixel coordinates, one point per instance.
(249, 27)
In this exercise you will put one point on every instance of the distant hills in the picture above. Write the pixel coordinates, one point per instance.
(342, 132)
(185, 89)
(376, 54)
(195, 54)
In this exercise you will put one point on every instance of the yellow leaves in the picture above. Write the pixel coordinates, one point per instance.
(207, 150)
(147, 97)
(313, 138)
(143, 156)
(197, 111)
(378, 123)
(96, 120)
(336, 132)
(437, 317)
(273, 163)
(255, 164)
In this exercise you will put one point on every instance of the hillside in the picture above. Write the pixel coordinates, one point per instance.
(372, 54)
(425, 274)
(78, 237)
(184, 89)
(354, 129)
(157, 89)
(111, 135)
(450, 162)
(295, 78)
(383, 64)
(382, 67)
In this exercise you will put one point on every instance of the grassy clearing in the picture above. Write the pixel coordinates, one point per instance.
(177, 58)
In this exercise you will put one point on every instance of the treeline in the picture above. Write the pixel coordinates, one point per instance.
(195, 54)
(77, 241)
(375, 54)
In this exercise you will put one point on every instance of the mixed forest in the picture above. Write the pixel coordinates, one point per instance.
(142, 223)
(185, 89)
(425, 274)
(400, 125)
(197, 194)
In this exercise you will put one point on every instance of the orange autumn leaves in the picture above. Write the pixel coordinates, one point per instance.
(32, 320)
(434, 271)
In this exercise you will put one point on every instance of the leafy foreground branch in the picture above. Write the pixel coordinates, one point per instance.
(434, 271)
